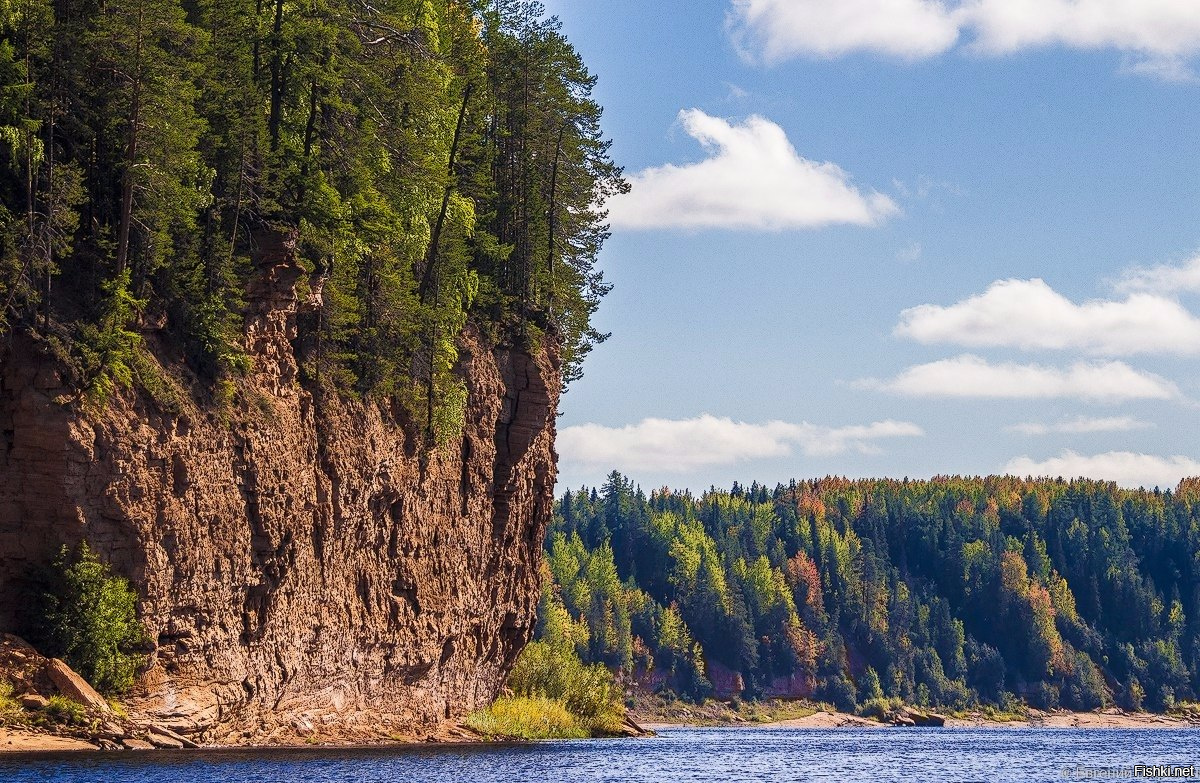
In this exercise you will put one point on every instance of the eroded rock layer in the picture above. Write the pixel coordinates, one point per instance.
(304, 566)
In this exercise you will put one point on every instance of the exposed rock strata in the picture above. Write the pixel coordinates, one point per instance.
(303, 568)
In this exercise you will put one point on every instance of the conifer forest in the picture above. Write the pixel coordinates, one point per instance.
(952, 592)
(426, 162)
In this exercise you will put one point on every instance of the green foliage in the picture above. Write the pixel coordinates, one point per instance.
(869, 688)
(87, 616)
(63, 711)
(10, 709)
(435, 165)
(108, 349)
(955, 593)
(1084, 688)
(554, 672)
(879, 708)
(1189, 710)
(527, 718)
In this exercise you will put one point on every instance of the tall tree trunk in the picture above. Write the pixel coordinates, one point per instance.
(439, 224)
(52, 208)
(131, 151)
(310, 125)
(256, 53)
(275, 117)
(553, 213)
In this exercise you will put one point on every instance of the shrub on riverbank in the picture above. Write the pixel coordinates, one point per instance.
(87, 616)
(527, 718)
(588, 692)
(555, 695)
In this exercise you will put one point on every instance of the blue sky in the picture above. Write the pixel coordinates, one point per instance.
(894, 238)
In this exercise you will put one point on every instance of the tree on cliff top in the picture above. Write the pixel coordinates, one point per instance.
(437, 162)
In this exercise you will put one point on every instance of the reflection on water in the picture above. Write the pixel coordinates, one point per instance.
(676, 756)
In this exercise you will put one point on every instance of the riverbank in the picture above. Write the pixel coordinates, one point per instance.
(26, 740)
(29, 741)
(832, 719)
(38, 740)
(653, 712)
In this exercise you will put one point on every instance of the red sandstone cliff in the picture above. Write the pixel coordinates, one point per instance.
(301, 566)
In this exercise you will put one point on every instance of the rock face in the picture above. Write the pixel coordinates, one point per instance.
(304, 566)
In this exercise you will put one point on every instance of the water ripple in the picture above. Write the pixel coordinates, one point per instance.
(676, 756)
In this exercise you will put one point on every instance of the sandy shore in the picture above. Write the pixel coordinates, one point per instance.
(1106, 719)
(23, 741)
(818, 720)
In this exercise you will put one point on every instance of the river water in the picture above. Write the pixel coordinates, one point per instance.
(676, 755)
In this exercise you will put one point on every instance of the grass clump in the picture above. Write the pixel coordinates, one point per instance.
(527, 718)
(1009, 713)
(1185, 709)
(62, 710)
(880, 708)
(555, 696)
(87, 616)
(588, 692)
(10, 709)
(775, 710)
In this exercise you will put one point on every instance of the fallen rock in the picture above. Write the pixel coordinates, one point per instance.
(167, 734)
(163, 741)
(110, 730)
(23, 666)
(855, 722)
(74, 687)
(107, 744)
(32, 701)
(136, 744)
(911, 717)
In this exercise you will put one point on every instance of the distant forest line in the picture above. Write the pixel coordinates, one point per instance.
(953, 592)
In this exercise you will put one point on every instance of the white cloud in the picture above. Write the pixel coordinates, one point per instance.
(910, 254)
(736, 92)
(1158, 28)
(1165, 69)
(1162, 279)
(972, 377)
(752, 179)
(776, 30)
(679, 445)
(1162, 34)
(1081, 425)
(1029, 314)
(1127, 468)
